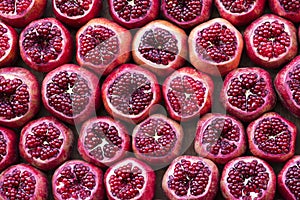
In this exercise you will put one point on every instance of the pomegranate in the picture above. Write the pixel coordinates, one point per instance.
(45, 44)
(157, 140)
(103, 141)
(215, 47)
(20, 96)
(20, 13)
(133, 13)
(247, 93)
(8, 150)
(71, 93)
(160, 46)
(248, 178)
(22, 181)
(102, 45)
(220, 138)
(272, 137)
(287, 9)
(186, 13)
(45, 143)
(188, 94)
(130, 92)
(76, 179)
(288, 179)
(242, 12)
(191, 177)
(130, 179)
(76, 13)
(287, 86)
(271, 41)
(9, 45)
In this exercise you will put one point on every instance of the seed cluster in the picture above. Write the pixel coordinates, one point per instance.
(73, 8)
(131, 9)
(238, 6)
(3, 146)
(4, 41)
(290, 5)
(293, 179)
(294, 83)
(14, 7)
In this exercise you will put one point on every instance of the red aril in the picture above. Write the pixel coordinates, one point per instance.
(9, 45)
(8, 151)
(289, 9)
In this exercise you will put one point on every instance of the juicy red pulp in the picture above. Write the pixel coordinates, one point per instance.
(216, 43)
(3, 146)
(14, 7)
(292, 179)
(190, 177)
(238, 6)
(247, 92)
(68, 93)
(158, 46)
(102, 140)
(131, 9)
(4, 38)
(294, 83)
(290, 5)
(14, 98)
(73, 8)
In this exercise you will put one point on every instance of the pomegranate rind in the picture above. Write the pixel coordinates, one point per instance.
(269, 192)
(277, 9)
(284, 92)
(64, 151)
(94, 102)
(244, 18)
(10, 54)
(265, 62)
(98, 191)
(152, 14)
(124, 37)
(11, 156)
(209, 66)
(198, 76)
(67, 47)
(211, 188)
(160, 69)
(281, 178)
(148, 190)
(254, 149)
(34, 11)
(123, 133)
(34, 94)
(79, 20)
(202, 17)
(41, 189)
(172, 154)
(200, 148)
(113, 76)
(270, 99)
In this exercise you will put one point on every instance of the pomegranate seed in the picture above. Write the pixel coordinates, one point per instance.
(73, 8)
(238, 6)
(290, 5)
(294, 83)
(131, 9)
(4, 41)
(292, 179)
(3, 146)
(14, 7)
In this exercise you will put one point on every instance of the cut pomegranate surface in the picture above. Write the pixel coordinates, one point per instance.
(289, 9)
(8, 151)
(9, 45)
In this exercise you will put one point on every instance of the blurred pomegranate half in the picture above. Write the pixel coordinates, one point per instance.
(289, 9)
(9, 45)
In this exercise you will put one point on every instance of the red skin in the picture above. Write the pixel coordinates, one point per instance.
(149, 189)
(277, 9)
(11, 54)
(151, 15)
(268, 156)
(11, 156)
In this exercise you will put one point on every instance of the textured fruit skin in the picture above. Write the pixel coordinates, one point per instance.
(281, 59)
(124, 37)
(270, 100)
(65, 149)
(98, 194)
(64, 57)
(202, 17)
(284, 92)
(211, 67)
(214, 182)
(78, 21)
(149, 188)
(151, 160)
(124, 134)
(197, 75)
(12, 53)
(33, 12)
(159, 69)
(200, 148)
(151, 15)
(94, 103)
(269, 193)
(41, 189)
(268, 156)
(34, 93)
(112, 77)
(282, 188)
(11, 156)
(241, 19)
(277, 9)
